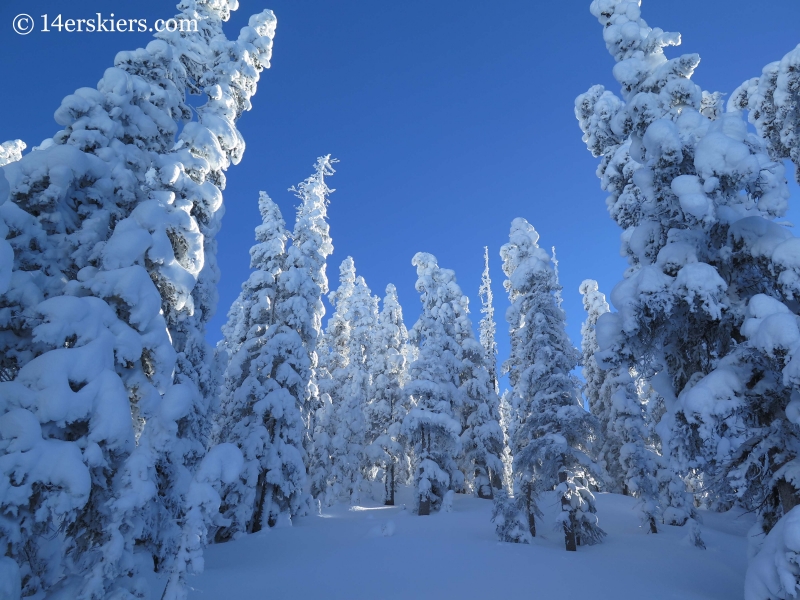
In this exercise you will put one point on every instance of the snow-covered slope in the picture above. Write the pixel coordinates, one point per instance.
(379, 553)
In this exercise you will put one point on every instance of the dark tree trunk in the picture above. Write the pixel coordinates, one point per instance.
(569, 526)
(528, 509)
(424, 506)
(424, 503)
(483, 480)
(389, 486)
(261, 488)
(496, 480)
(653, 527)
(788, 495)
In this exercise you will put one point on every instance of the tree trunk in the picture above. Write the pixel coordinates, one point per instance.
(531, 515)
(484, 483)
(653, 527)
(389, 486)
(424, 506)
(496, 480)
(569, 526)
(258, 510)
(788, 495)
(424, 502)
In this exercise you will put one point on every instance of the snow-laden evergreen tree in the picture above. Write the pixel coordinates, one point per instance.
(388, 405)
(697, 195)
(305, 270)
(552, 438)
(508, 422)
(105, 212)
(481, 438)
(627, 451)
(487, 326)
(220, 469)
(773, 104)
(432, 429)
(264, 390)
(598, 397)
(350, 340)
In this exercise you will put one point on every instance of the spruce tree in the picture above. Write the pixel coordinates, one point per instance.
(487, 326)
(697, 195)
(112, 252)
(552, 439)
(263, 391)
(598, 396)
(772, 102)
(389, 402)
(432, 428)
(349, 336)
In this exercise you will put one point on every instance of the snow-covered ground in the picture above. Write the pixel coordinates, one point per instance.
(376, 552)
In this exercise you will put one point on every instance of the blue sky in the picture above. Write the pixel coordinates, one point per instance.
(449, 118)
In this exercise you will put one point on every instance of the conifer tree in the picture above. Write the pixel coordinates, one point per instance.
(350, 338)
(112, 249)
(551, 444)
(487, 326)
(389, 403)
(432, 428)
(598, 397)
(481, 437)
(772, 102)
(263, 391)
(697, 195)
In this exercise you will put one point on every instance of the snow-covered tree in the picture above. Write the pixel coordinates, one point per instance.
(305, 271)
(350, 340)
(598, 396)
(773, 104)
(432, 428)
(481, 438)
(388, 405)
(264, 391)
(552, 438)
(487, 326)
(508, 422)
(105, 208)
(628, 455)
(697, 195)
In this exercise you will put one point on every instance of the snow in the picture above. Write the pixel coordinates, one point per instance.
(371, 551)
(773, 571)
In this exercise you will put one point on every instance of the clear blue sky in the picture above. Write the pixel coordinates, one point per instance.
(449, 117)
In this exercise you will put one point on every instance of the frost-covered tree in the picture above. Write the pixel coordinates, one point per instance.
(219, 470)
(112, 251)
(594, 302)
(598, 396)
(349, 337)
(508, 422)
(487, 326)
(551, 444)
(264, 390)
(773, 104)
(481, 438)
(627, 450)
(305, 270)
(711, 271)
(432, 428)
(697, 195)
(388, 405)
